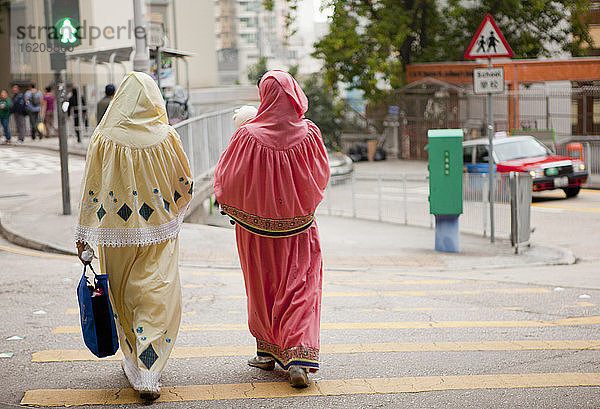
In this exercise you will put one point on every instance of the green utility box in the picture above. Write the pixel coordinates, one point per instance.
(445, 171)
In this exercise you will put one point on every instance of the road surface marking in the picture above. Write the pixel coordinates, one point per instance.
(593, 320)
(359, 283)
(36, 253)
(570, 208)
(333, 387)
(75, 311)
(71, 355)
(423, 293)
(392, 282)
(436, 292)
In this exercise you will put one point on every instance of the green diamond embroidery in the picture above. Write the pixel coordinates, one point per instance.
(101, 212)
(124, 212)
(146, 211)
(167, 204)
(148, 357)
(176, 196)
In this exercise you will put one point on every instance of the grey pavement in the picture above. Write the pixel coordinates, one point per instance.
(380, 280)
(31, 209)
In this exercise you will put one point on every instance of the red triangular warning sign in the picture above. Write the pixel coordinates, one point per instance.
(488, 42)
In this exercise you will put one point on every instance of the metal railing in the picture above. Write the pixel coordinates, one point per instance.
(204, 138)
(403, 199)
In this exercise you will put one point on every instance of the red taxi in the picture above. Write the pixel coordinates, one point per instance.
(526, 154)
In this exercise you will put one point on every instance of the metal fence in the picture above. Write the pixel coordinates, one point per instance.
(403, 199)
(568, 110)
(204, 138)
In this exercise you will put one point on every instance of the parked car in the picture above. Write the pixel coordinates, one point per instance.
(340, 166)
(526, 154)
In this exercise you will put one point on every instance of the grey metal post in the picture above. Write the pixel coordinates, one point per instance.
(206, 144)
(405, 191)
(62, 142)
(484, 196)
(190, 135)
(158, 58)
(491, 157)
(111, 68)
(80, 126)
(353, 186)
(141, 59)
(379, 198)
(94, 104)
(547, 112)
(584, 114)
(329, 197)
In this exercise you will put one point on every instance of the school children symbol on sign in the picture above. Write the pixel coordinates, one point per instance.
(488, 42)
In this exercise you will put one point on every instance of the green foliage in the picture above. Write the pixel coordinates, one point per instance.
(532, 28)
(323, 111)
(256, 71)
(370, 42)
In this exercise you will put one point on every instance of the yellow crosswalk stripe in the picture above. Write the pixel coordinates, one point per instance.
(36, 253)
(334, 387)
(593, 320)
(373, 282)
(423, 293)
(71, 355)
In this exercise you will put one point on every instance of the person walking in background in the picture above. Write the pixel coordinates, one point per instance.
(49, 108)
(136, 188)
(109, 93)
(19, 110)
(5, 104)
(270, 180)
(177, 106)
(33, 99)
(73, 108)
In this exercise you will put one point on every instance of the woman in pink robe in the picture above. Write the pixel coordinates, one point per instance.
(270, 180)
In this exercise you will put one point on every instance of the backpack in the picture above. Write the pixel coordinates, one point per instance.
(36, 98)
(19, 106)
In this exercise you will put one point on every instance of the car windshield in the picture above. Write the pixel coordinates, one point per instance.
(523, 148)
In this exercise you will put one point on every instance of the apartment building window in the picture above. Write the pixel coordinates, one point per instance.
(249, 38)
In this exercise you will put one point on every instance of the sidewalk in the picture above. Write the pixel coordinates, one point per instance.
(51, 144)
(347, 243)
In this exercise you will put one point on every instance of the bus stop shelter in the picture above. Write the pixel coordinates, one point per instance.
(110, 58)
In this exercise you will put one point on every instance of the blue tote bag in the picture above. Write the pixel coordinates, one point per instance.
(97, 319)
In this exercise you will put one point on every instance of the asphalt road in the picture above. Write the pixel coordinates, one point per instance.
(461, 342)
(391, 337)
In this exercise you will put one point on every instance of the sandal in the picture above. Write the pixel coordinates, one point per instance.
(298, 377)
(268, 364)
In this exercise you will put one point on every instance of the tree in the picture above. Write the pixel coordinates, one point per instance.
(323, 110)
(533, 28)
(256, 71)
(370, 42)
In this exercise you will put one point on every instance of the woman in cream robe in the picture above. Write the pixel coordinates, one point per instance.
(135, 191)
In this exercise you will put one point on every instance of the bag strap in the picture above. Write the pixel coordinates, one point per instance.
(85, 266)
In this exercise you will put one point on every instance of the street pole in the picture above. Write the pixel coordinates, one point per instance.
(491, 178)
(158, 58)
(141, 59)
(62, 141)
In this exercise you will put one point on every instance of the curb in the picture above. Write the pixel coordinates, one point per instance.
(52, 149)
(22, 241)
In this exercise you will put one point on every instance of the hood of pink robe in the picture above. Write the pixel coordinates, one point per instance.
(273, 174)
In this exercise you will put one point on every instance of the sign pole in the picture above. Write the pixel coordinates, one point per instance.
(62, 141)
(491, 178)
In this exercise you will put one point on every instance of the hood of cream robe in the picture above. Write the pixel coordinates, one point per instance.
(137, 182)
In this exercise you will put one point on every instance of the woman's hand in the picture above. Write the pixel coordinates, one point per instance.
(85, 258)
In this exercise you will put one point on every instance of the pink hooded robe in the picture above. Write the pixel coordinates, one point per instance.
(270, 180)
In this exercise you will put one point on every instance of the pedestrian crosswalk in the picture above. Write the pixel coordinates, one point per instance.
(335, 387)
(19, 162)
(368, 320)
